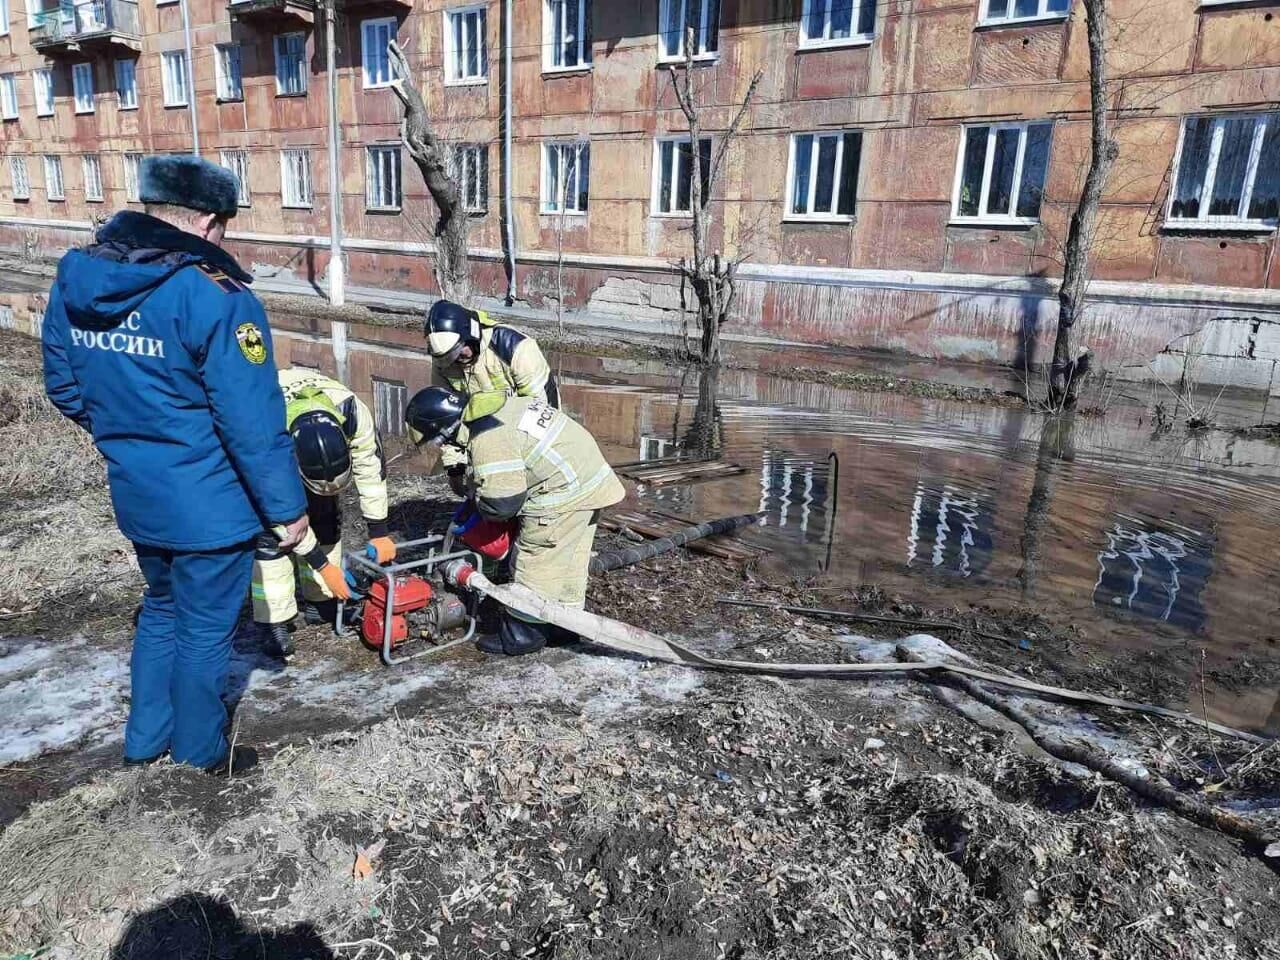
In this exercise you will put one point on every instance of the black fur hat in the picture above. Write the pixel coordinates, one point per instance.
(188, 181)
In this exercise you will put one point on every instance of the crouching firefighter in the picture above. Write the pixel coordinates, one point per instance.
(476, 356)
(336, 441)
(530, 461)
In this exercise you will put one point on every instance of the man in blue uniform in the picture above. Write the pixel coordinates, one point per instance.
(154, 345)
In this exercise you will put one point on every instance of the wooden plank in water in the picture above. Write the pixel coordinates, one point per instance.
(694, 473)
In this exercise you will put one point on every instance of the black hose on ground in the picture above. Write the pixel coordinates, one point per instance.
(613, 559)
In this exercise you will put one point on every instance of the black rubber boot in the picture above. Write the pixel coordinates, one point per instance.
(276, 638)
(237, 761)
(515, 637)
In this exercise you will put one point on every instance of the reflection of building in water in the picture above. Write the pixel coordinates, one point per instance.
(949, 530)
(1157, 571)
(795, 492)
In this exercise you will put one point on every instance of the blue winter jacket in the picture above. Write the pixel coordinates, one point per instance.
(154, 345)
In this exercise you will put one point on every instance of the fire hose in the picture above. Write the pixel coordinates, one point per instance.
(625, 557)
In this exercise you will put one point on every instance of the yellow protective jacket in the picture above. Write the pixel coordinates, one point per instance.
(368, 468)
(509, 364)
(532, 460)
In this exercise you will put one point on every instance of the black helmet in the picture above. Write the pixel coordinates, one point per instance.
(448, 328)
(434, 415)
(323, 455)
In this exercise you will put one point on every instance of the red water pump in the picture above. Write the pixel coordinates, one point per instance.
(419, 609)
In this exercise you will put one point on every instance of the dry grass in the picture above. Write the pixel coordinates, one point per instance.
(746, 824)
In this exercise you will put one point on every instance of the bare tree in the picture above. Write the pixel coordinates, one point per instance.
(709, 273)
(1068, 369)
(433, 157)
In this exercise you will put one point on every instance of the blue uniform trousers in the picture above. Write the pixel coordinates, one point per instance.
(182, 652)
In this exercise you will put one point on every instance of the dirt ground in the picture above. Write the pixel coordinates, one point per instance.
(580, 804)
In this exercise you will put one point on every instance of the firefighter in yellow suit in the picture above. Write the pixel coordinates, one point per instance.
(484, 360)
(336, 441)
(532, 461)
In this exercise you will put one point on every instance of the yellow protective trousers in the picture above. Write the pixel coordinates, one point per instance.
(552, 555)
(275, 584)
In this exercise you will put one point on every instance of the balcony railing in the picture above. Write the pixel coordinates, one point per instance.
(69, 23)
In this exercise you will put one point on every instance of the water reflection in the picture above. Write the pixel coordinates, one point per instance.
(950, 530)
(1155, 571)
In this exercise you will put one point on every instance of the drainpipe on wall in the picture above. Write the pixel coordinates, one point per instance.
(337, 269)
(191, 82)
(506, 154)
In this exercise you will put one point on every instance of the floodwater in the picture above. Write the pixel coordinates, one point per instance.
(1149, 543)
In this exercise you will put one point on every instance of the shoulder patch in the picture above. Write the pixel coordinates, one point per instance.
(252, 345)
(503, 341)
(225, 282)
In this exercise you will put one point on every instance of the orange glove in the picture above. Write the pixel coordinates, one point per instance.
(384, 549)
(335, 580)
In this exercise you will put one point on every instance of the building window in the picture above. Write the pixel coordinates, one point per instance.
(131, 161)
(295, 178)
(92, 177)
(832, 23)
(53, 178)
(237, 161)
(390, 397)
(382, 178)
(6, 318)
(1016, 11)
(1227, 173)
(82, 86)
(173, 77)
(823, 182)
(291, 64)
(673, 174)
(18, 174)
(378, 35)
(566, 169)
(566, 34)
(43, 81)
(126, 85)
(4, 18)
(230, 78)
(1000, 174)
(702, 16)
(471, 167)
(8, 97)
(466, 57)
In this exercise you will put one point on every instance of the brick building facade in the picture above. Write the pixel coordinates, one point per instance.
(903, 179)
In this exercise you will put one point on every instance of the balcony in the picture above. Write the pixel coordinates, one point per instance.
(273, 11)
(87, 27)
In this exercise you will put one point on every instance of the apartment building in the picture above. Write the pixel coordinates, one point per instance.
(903, 179)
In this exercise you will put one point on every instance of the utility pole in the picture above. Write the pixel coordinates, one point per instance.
(337, 271)
(191, 82)
(507, 163)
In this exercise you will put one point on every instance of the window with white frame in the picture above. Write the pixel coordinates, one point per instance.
(295, 178)
(19, 177)
(675, 17)
(92, 167)
(673, 174)
(390, 398)
(126, 84)
(53, 178)
(291, 64)
(6, 318)
(566, 34)
(131, 161)
(376, 38)
(832, 23)
(471, 167)
(82, 86)
(42, 80)
(9, 96)
(173, 77)
(566, 174)
(4, 18)
(237, 161)
(382, 178)
(1000, 173)
(227, 71)
(1017, 11)
(823, 179)
(1227, 173)
(466, 58)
